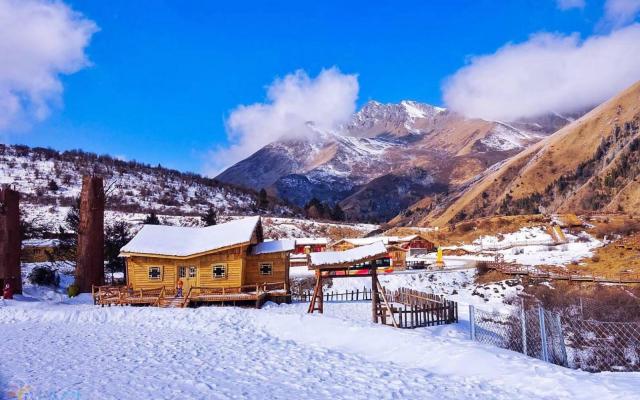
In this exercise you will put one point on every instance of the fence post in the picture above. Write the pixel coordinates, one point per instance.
(581, 309)
(523, 323)
(543, 335)
(565, 361)
(472, 322)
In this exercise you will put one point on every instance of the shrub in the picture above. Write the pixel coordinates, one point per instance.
(73, 290)
(482, 267)
(623, 228)
(44, 276)
(466, 227)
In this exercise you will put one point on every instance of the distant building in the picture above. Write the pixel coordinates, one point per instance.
(305, 246)
(38, 250)
(399, 246)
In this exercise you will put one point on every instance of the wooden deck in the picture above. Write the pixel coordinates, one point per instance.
(256, 295)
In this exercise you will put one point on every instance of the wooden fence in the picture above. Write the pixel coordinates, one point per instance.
(349, 295)
(409, 308)
(418, 309)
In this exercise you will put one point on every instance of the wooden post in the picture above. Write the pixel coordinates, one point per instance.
(316, 300)
(90, 259)
(10, 240)
(375, 301)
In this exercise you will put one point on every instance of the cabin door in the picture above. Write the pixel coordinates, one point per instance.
(188, 275)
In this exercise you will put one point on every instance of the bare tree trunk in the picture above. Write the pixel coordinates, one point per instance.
(90, 259)
(10, 240)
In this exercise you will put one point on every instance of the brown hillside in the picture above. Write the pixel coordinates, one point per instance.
(592, 164)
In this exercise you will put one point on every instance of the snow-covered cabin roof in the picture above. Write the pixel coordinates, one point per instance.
(180, 241)
(311, 241)
(274, 246)
(352, 256)
(387, 240)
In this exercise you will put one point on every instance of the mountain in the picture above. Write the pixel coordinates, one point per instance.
(386, 158)
(46, 177)
(592, 164)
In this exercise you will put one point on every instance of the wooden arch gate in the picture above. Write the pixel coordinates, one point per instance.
(354, 263)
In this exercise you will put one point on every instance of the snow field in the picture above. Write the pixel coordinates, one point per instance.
(278, 352)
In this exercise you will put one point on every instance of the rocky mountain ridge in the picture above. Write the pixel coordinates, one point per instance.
(590, 165)
(386, 158)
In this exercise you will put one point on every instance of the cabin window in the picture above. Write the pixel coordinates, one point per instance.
(182, 272)
(155, 273)
(192, 272)
(219, 271)
(266, 269)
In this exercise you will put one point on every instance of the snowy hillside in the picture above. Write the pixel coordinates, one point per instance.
(49, 218)
(46, 177)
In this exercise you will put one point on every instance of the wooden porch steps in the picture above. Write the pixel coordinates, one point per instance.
(171, 302)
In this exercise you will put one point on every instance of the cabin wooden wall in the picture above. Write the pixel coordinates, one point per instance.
(280, 270)
(242, 269)
(234, 259)
(399, 259)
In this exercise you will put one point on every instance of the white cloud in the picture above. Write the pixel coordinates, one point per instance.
(292, 102)
(549, 72)
(39, 41)
(620, 12)
(569, 4)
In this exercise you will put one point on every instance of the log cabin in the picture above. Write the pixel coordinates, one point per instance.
(220, 260)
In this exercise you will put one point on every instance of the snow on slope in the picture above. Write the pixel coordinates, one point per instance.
(534, 246)
(279, 352)
(129, 185)
(51, 217)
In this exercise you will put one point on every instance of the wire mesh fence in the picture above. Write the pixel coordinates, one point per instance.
(565, 340)
(602, 346)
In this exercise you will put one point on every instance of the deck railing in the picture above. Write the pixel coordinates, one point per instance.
(121, 295)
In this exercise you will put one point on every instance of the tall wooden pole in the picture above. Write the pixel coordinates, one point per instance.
(90, 258)
(10, 240)
(375, 300)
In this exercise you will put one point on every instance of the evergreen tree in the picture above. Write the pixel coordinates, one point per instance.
(263, 200)
(337, 214)
(116, 236)
(211, 217)
(315, 209)
(68, 235)
(152, 219)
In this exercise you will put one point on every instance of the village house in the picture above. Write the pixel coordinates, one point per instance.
(38, 250)
(229, 262)
(399, 247)
(305, 246)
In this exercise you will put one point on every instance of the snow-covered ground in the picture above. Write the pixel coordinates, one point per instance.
(82, 351)
(530, 246)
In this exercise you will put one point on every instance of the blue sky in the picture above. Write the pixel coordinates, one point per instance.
(165, 75)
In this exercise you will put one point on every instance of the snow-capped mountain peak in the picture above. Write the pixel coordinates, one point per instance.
(401, 119)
